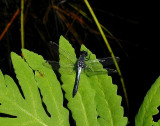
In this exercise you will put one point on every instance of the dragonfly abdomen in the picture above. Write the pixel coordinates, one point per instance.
(75, 89)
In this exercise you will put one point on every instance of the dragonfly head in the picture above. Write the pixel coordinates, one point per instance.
(84, 53)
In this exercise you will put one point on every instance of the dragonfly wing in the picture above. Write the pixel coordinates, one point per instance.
(93, 73)
(52, 64)
(64, 55)
(95, 67)
(104, 61)
(108, 61)
(67, 59)
(65, 68)
(109, 71)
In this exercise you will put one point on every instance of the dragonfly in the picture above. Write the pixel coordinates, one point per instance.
(82, 63)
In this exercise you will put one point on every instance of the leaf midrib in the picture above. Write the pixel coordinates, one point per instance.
(24, 110)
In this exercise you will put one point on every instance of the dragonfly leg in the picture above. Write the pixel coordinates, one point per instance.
(88, 69)
(88, 58)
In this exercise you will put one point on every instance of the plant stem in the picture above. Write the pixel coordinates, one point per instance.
(22, 24)
(110, 50)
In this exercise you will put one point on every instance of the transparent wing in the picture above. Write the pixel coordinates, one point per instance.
(104, 61)
(67, 64)
(91, 72)
(95, 67)
(67, 58)
(66, 68)
(63, 54)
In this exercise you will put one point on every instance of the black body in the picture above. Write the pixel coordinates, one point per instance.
(80, 65)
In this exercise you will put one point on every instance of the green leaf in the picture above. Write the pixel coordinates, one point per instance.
(108, 103)
(96, 102)
(149, 106)
(96, 95)
(29, 111)
(82, 105)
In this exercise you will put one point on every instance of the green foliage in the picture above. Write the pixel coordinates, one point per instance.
(96, 102)
(96, 95)
(29, 111)
(149, 107)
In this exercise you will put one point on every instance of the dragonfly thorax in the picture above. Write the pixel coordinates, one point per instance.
(81, 64)
(83, 53)
(81, 60)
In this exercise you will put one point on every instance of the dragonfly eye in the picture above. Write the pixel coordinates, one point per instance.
(86, 53)
(83, 53)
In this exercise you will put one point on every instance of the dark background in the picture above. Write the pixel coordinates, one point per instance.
(134, 24)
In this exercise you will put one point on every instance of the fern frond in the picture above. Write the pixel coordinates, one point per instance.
(96, 102)
(29, 110)
(149, 106)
